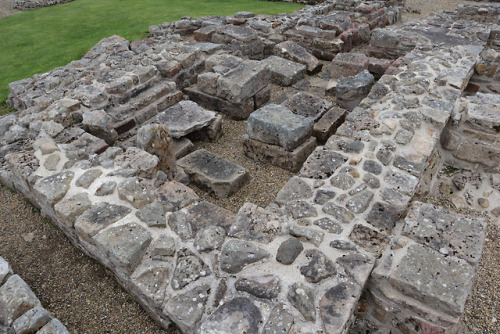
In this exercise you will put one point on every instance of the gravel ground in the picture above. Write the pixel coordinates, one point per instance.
(80, 293)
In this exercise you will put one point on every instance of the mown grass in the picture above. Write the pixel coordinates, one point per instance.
(40, 40)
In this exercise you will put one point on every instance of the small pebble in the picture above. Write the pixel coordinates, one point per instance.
(483, 202)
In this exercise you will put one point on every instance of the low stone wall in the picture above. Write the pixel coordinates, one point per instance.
(33, 4)
(20, 309)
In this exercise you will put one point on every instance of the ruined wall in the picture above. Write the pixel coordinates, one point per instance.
(32, 4)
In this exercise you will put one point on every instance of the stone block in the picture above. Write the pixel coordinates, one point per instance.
(238, 315)
(322, 163)
(32, 320)
(285, 72)
(219, 176)
(277, 125)
(377, 66)
(308, 105)
(348, 64)
(98, 217)
(328, 123)
(207, 82)
(222, 63)
(351, 90)
(293, 51)
(52, 189)
(16, 298)
(54, 327)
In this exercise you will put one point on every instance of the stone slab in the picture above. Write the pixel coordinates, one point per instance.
(293, 51)
(308, 105)
(328, 123)
(285, 72)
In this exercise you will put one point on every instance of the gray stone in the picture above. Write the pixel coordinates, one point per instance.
(52, 161)
(209, 238)
(45, 145)
(357, 265)
(302, 298)
(401, 182)
(403, 136)
(86, 179)
(300, 209)
(368, 239)
(347, 145)
(372, 166)
(338, 212)
(238, 315)
(152, 283)
(289, 250)
(464, 177)
(53, 188)
(125, 245)
(285, 72)
(5, 270)
(54, 327)
(383, 216)
(202, 214)
(134, 158)
(186, 309)
(71, 208)
(32, 320)
(308, 105)
(175, 196)
(295, 189)
(137, 191)
(185, 117)
(395, 198)
(222, 61)
(323, 195)
(266, 286)
(99, 123)
(328, 124)
(322, 163)
(182, 147)
(106, 188)
(188, 269)
(236, 255)
(98, 217)
(280, 321)
(342, 244)
(179, 223)
(156, 139)
(343, 180)
(348, 64)
(50, 128)
(163, 248)
(256, 224)
(319, 266)
(293, 51)
(329, 225)
(152, 214)
(313, 236)
(277, 125)
(360, 202)
(16, 298)
(371, 180)
(351, 90)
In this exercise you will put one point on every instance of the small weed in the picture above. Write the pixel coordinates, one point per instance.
(5, 109)
(448, 170)
(12, 191)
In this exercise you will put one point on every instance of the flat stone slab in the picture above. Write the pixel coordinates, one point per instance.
(293, 51)
(185, 117)
(348, 64)
(277, 125)
(217, 175)
(285, 72)
(16, 298)
(308, 105)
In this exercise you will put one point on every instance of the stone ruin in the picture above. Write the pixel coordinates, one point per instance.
(33, 4)
(104, 147)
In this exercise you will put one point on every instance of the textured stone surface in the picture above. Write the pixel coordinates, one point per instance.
(293, 51)
(137, 191)
(308, 105)
(186, 309)
(340, 297)
(280, 321)
(71, 208)
(285, 72)
(302, 298)
(53, 188)
(54, 327)
(351, 90)
(188, 269)
(98, 217)
(16, 298)
(319, 266)
(289, 250)
(236, 254)
(266, 286)
(322, 163)
(255, 223)
(32, 320)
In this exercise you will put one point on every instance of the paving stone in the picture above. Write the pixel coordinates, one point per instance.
(152, 283)
(280, 321)
(322, 163)
(348, 64)
(238, 315)
(137, 191)
(187, 309)
(152, 214)
(360, 202)
(106, 188)
(403, 136)
(16, 298)
(293, 51)
(329, 225)
(295, 189)
(395, 198)
(383, 216)
(302, 298)
(188, 269)
(289, 250)
(71, 208)
(163, 248)
(300, 209)
(328, 124)
(308, 105)
(125, 245)
(86, 179)
(266, 286)
(54, 327)
(319, 266)
(347, 145)
(32, 320)
(209, 238)
(323, 195)
(372, 166)
(306, 234)
(371, 180)
(52, 189)
(180, 224)
(156, 139)
(368, 239)
(174, 196)
(254, 223)
(277, 125)
(285, 72)
(236, 255)
(219, 176)
(203, 214)
(401, 182)
(98, 217)
(338, 212)
(449, 233)
(351, 90)
(219, 61)
(357, 265)
(185, 117)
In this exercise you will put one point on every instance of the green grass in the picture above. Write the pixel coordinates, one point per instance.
(40, 40)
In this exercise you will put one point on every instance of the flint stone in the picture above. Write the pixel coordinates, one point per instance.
(69, 209)
(16, 298)
(52, 189)
(347, 145)
(125, 244)
(185, 117)
(107, 188)
(237, 254)
(134, 158)
(351, 90)
(179, 223)
(219, 176)
(348, 64)
(209, 238)
(86, 179)
(54, 327)
(308, 105)
(289, 250)
(152, 282)
(293, 51)
(239, 315)
(368, 239)
(188, 269)
(152, 214)
(186, 309)
(280, 321)
(338, 212)
(277, 125)
(300, 209)
(372, 167)
(156, 139)
(137, 191)
(302, 298)
(310, 235)
(98, 217)
(266, 286)
(175, 196)
(254, 223)
(328, 225)
(322, 163)
(285, 72)
(337, 305)
(319, 266)
(32, 320)
(360, 202)
(244, 81)
(371, 180)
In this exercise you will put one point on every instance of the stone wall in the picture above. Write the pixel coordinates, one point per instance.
(32, 4)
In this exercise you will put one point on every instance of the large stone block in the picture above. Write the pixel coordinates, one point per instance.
(351, 90)
(293, 51)
(285, 72)
(348, 64)
(327, 125)
(308, 105)
(16, 298)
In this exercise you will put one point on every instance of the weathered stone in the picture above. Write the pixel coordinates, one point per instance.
(401, 182)
(357, 265)
(383, 216)
(202, 214)
(53, 188)
(5, 270)
(134, 158)
(125, 245)
(280, 321)
(313, 236)
(86, 179)
(348, 64)
(342, 244)
(295, 189)
(300, 209)
(319, 266)
(327, 125)
(329, 225)
(71, 208)
(16, 298)
(285, 72)
(256, 224)
(187, 309)
(152, 283)
(152, 214)
(343, 180)
(98, 217)
(175, 196)
(54, 327)
(266, 286)
(238, 315)
(188, 269)
(302, 298)
(209, 238)
(372, 166)
(277, 125)
(323, 195)
(106, 188)
(52, 161)
(368, 239)
(219, 176)
(347, 145)
(45, 145)
(236, 255)
(360, 202)
(99, 123)
(308, 105)
(322, 163)
(338, 212)
(293, 51)
(289, 250)
(351, 90)
(182, 147)
(156, 139)
(163, 248)
(403, 136)
(137, 191)
(180, 224)
(32, 320)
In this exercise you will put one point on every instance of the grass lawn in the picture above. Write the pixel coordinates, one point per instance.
(40, 40)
